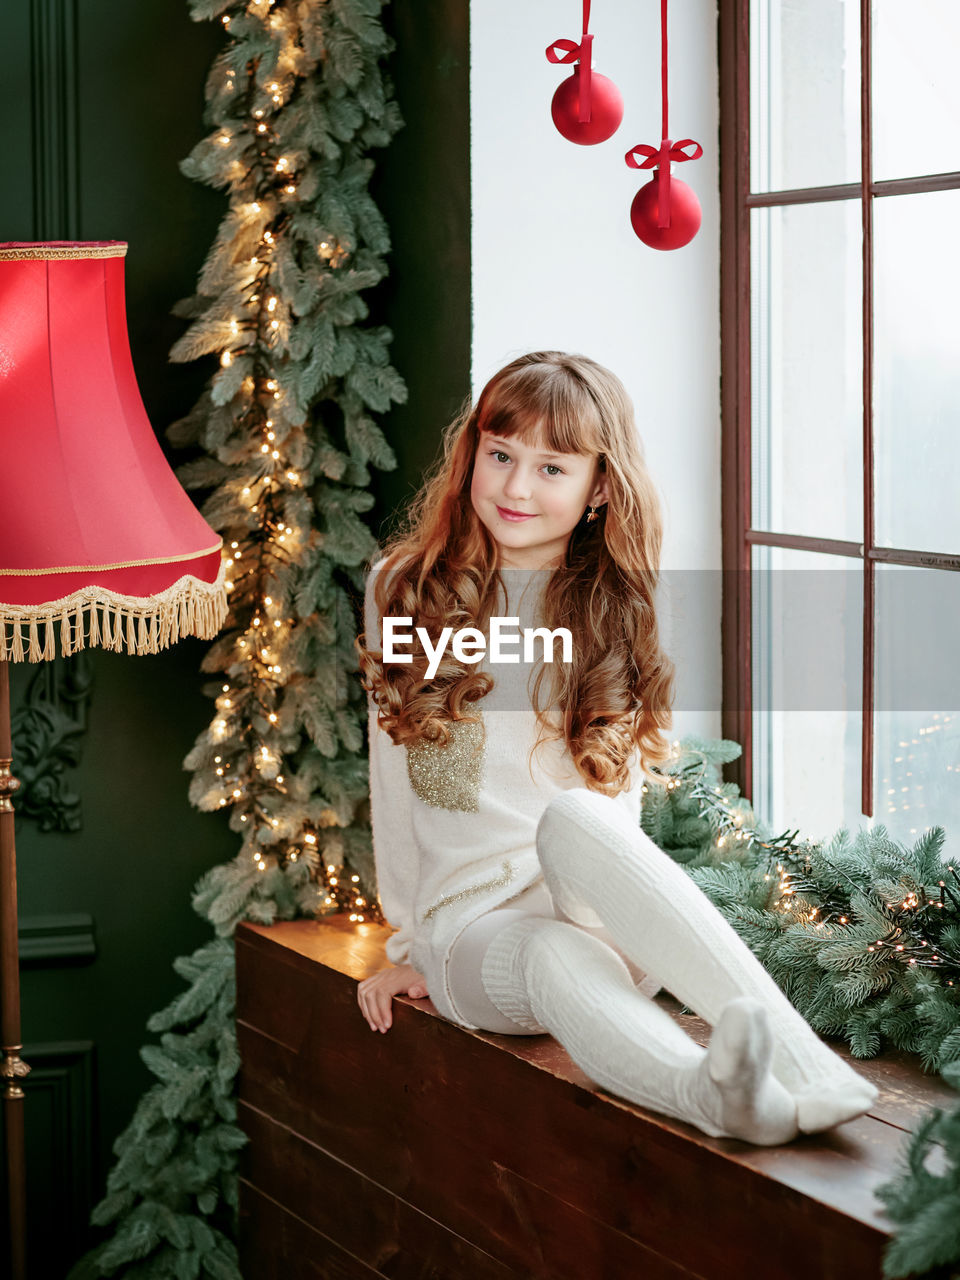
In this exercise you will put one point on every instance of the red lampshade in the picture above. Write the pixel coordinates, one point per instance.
(96, 533)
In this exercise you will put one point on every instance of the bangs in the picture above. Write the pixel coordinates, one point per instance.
(544, 404)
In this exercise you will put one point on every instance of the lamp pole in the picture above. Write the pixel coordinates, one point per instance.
(13, 1068)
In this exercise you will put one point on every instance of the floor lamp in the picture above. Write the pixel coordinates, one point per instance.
(99, 544)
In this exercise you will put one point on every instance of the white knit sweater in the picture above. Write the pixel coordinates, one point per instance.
(454, 828)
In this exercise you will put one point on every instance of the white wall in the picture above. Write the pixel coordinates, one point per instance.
(556, 265)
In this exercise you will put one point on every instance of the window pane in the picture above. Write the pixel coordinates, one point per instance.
(916, 90)
(917, 371)
(804, 93)
(807, 395)
(807, 655)
(917, 702)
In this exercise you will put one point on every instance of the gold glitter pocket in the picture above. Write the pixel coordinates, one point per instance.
(450, 777)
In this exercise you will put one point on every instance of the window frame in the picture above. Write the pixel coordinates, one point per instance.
(738, 535)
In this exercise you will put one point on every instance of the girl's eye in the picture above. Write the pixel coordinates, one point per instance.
(551, 468)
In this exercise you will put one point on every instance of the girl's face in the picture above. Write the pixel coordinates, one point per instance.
(530, 499)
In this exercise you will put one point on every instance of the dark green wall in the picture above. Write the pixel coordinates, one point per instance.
(422, 185)
(100, 102)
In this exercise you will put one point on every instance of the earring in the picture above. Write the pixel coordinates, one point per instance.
(592, 514)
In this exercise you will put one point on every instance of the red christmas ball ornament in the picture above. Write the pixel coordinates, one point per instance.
(685, 214)
(605, 110)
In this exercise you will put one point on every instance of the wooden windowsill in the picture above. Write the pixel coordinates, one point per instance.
(404, 1150)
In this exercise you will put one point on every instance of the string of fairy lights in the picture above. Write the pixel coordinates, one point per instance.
(917, 923)
(250, 769)
(898, 793)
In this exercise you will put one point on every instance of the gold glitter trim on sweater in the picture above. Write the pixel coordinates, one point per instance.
(450, 777)
(508, 874)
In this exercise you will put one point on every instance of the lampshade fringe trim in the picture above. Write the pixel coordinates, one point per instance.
(96, 617)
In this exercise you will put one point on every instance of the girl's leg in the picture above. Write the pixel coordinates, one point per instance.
(542, 974)
(535, 900)
(464, 967)
(592, 853)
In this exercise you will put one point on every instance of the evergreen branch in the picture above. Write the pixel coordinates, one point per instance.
(295, 102)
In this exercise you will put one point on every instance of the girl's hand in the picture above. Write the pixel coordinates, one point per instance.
(375, 995)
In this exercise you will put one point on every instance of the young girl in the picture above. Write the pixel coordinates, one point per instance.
(505, 795)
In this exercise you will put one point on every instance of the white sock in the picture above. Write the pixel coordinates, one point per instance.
(548, 975)
(592, 853)
(756, 1106)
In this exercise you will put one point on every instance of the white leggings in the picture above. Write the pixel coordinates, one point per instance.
(466, 959)
(526, 968)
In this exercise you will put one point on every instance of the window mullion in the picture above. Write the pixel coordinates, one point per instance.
(869, 564)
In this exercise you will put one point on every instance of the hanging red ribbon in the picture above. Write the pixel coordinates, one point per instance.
(659, 157)
(582, 53)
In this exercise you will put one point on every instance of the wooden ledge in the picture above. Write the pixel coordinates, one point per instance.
(435, 1151)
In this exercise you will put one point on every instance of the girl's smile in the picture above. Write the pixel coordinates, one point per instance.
(515, 515)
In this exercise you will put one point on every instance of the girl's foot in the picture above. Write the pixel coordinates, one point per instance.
(753, 1104)
(831, 1102)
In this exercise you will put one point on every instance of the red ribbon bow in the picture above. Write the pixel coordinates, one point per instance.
(659, 158)
(577, 53)
(582, 52)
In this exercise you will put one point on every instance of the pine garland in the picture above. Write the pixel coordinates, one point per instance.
(295, 102)
(863, 935)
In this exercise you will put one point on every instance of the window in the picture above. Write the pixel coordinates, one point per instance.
(840, 198)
